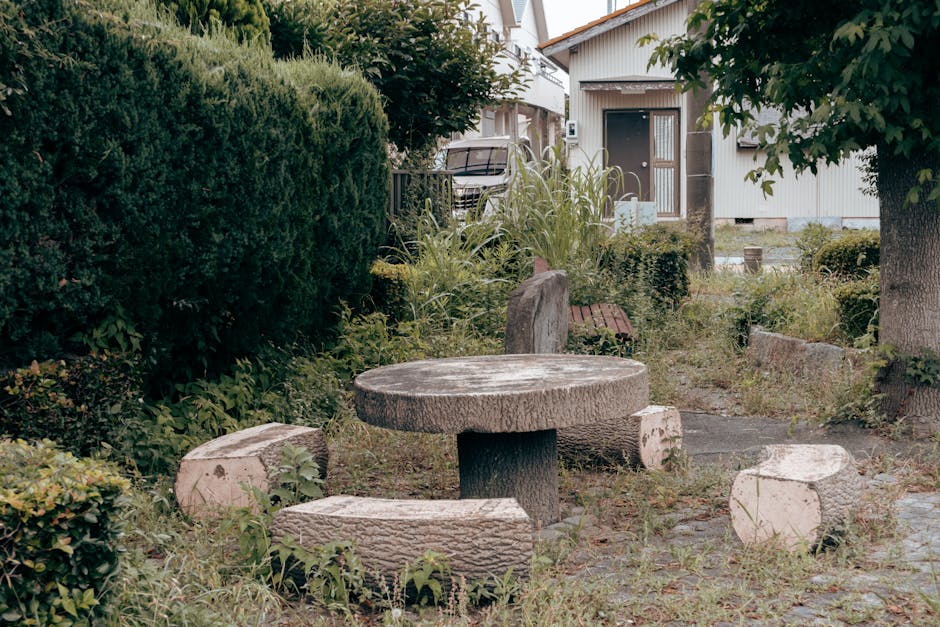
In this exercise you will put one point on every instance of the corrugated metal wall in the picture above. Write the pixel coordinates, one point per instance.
(835, 192)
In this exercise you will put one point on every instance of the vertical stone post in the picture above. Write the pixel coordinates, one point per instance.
(699, 185)
(753, 258)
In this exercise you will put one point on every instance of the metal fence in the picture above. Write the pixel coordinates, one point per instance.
(411, 188)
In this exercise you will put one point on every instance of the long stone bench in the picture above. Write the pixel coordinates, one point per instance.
(481, 538)
(798, 496)
(211, 475)
(644, 439)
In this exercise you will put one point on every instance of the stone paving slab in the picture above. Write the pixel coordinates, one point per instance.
(906, 566)
(736, 440)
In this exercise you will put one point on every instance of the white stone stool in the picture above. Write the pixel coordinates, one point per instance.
(798, 495)
(211, 475)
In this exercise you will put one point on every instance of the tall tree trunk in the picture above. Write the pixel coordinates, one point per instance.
(909, 315)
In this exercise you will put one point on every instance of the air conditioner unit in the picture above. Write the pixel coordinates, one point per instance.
(571, 131)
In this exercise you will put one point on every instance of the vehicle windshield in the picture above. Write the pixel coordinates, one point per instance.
(479, 161)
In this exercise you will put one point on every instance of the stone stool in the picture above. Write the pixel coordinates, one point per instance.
(211, 475)
(798, 495)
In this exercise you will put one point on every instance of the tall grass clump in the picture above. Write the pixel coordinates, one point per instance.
(794, 304)
(457, 275)
(557, 213)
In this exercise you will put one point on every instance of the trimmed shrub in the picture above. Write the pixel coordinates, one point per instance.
(858, 306)
(851, 256)
(390, 288)
(59, 533)
(654, 259)
(78, 403)
(813, 237)
(219, 198)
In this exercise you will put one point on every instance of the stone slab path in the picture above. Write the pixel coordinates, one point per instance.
(896, 576)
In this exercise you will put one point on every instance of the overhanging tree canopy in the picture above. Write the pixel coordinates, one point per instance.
(434, 67)
(845, 76)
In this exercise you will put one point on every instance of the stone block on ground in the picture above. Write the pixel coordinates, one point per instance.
(798, 495)
(481, 538)
(644, 439)
(537, 314)
(789, 354)
(210, 476)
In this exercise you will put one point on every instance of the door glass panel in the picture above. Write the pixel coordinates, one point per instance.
(665, 189)
(665, 130)
(664, 137)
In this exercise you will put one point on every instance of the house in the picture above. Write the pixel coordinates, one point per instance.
(539, 112)
(633, 117)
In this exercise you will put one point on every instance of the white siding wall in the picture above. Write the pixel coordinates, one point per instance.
(615, 54)
(835, 192)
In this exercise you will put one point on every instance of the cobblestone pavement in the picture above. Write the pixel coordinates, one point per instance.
(891, 576)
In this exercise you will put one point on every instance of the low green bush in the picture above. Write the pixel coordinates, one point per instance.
(850, 256)
(59, 533)
(653, 260)
(858, 306)
(277, 387)
(813, 237)
(80, 403)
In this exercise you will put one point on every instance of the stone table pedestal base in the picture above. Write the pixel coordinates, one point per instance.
(520, 465)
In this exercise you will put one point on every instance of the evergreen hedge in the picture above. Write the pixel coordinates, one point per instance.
(858, 306)
(653, 261)
(214, 197)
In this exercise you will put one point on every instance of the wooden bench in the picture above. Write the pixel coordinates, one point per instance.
(596, 316)
(601, 315)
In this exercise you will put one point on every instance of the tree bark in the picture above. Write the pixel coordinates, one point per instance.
(909, 314)
(699, 180)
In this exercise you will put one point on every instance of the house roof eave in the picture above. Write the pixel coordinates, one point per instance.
(563, 44)
(507, 13)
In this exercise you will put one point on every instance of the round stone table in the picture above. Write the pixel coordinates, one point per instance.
(505, 410)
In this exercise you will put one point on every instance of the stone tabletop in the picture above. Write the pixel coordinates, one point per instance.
(501, 393)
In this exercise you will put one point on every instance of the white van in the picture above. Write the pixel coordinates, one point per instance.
(481, 167)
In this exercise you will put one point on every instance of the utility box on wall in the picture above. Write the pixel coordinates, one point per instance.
(571, 131)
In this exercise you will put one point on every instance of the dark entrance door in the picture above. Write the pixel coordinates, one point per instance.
(627, 139)
(645, 144)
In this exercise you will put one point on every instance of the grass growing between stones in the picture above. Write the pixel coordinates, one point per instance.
(657, 547)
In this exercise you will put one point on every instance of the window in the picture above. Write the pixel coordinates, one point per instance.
(483, 161)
